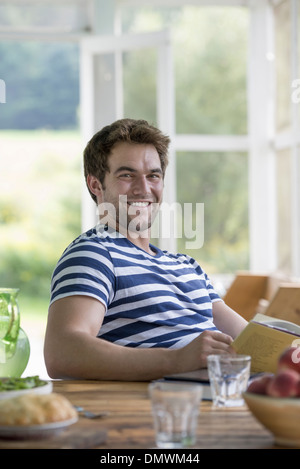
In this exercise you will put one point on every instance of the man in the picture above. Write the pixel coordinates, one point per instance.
(121, 309)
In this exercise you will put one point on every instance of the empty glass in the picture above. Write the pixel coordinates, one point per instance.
(175, 408)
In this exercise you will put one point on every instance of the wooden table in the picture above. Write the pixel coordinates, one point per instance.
(129, 424)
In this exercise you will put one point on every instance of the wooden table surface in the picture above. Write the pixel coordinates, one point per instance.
(129, 423)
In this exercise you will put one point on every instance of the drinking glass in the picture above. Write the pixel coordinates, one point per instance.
(228, 375)
(175, 409)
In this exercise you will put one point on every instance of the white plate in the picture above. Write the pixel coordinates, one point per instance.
(25, 432)
(45, 389)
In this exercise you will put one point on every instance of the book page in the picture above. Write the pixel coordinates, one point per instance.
(264, 344)
(276, 322)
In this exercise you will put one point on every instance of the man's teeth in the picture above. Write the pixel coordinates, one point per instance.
(139, 204)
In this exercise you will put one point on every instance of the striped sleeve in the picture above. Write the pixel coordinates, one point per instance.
(85, 268)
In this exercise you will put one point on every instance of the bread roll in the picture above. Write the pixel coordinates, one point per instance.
(35, 409)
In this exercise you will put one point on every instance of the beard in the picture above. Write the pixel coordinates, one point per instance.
(127, 217)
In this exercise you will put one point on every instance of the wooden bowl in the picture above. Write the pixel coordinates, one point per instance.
(280, 415)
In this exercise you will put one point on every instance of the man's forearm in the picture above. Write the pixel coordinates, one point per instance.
(227, 320)
(81, 356)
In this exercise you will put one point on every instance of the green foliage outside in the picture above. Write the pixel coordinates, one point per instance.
(42, 85)
(219, 181)
(39, 209)
(210, 65)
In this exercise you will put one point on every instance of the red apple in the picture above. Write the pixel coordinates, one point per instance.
(259, 385)
(284, 384)
(290, 358)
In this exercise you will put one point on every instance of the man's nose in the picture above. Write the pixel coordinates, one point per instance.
(140, 186)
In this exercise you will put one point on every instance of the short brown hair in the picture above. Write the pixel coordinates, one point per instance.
(100, 146)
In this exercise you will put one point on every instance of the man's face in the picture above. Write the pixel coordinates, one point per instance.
(134, 186)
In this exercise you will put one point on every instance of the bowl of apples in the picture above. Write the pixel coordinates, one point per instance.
(274, 399)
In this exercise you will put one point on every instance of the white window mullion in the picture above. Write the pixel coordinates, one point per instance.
(262, 187)
(221, 143)
(166, 123)
(295, 148)
(87, 120)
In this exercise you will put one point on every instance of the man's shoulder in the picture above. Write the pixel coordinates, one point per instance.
(88, 237)
(97, 240)
(88, 242)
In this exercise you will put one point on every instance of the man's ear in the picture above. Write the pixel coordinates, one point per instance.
(94, 186)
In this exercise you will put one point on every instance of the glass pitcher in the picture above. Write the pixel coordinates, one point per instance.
(14, 343)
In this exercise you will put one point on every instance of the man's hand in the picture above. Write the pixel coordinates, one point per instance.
(194, 355)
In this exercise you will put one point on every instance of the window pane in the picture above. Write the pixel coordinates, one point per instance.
(40, 182)
(211, 71)
(220, 181)
(42, 85)
(210, 64)
(139, 78)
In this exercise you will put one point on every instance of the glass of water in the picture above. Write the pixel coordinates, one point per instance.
(175, 408)
(228, 376)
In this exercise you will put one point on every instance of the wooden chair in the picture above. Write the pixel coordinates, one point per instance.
(273, 295)
(245, 293)
(285, 303)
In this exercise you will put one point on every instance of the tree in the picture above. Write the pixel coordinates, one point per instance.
(42, 85)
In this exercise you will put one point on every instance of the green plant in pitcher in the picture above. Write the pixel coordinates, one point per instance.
(14, 343)
(9, 322)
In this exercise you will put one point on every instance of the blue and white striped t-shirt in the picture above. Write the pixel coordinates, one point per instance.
(163, 300)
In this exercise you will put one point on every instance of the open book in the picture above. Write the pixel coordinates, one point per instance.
(264, 339)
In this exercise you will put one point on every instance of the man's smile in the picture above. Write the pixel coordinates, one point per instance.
(139, 204)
